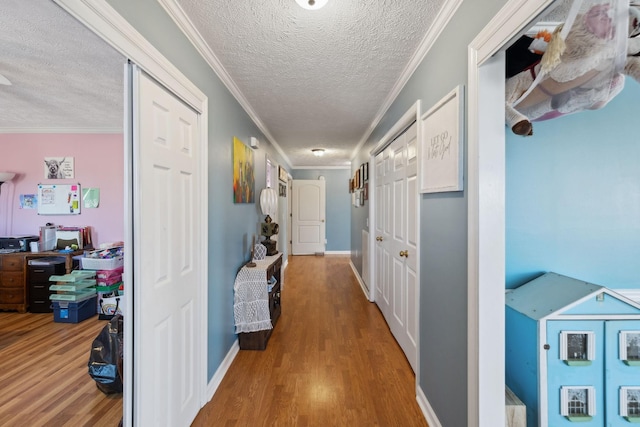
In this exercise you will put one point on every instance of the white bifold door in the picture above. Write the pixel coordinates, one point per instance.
(396, 234)
(166, 209)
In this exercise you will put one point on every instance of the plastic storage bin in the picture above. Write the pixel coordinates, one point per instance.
(74, 312)
(102, 263)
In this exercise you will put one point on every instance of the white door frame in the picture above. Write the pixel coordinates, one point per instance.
(413, 114)
(105, 22)
(486, 220)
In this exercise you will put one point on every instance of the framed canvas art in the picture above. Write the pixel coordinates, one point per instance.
(243, 178)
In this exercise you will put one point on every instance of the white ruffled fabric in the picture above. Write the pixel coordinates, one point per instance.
(251, 299)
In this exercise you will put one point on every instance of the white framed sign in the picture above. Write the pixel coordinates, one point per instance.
(441, 144)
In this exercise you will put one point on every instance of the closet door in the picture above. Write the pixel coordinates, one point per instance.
(167, 281)
(396, 239)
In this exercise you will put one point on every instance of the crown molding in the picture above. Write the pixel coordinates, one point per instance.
(322, 167)
(439, 24)
(62, 130)
(177, 14)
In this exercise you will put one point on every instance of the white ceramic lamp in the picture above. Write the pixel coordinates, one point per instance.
(269, 201)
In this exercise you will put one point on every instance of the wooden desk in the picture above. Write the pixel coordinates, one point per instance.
(14, 289)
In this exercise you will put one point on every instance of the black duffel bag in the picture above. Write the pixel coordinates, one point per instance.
(105, 359)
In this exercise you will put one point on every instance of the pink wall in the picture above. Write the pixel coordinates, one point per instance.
(98, 162)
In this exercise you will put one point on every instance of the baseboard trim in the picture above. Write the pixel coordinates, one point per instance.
(365, 291)
(222, 371)
(427, 410)
(337, 252)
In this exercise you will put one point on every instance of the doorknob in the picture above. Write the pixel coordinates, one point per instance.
(379, 238)
(323, 220)
(404, 254)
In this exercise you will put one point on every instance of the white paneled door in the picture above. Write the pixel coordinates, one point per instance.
(308, 216)
(396, 234)
(166, 212)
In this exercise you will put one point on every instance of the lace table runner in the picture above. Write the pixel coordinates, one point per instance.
(251, 298)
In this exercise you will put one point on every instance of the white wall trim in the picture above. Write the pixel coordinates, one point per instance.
(359, 279)
(213, 385)
(427, 410)
(62, 130)
(183, 22)
(485, 281)
(632, 294)
(439, 24)
(322, 167)
(412, 114)
(102, 19)
(337, 252)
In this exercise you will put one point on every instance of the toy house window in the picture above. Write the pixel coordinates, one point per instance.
(577, 348)
(630, 403)
(630, 347)
(577, 403)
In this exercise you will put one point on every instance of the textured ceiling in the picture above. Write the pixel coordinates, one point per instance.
(314, 78)
(63, 76)
(310, 79)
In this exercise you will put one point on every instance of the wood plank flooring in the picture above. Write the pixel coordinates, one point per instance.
(331, 361)
(43, 374)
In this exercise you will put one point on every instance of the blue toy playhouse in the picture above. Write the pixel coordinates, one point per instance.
(573, 353)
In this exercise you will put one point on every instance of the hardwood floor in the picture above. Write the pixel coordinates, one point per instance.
(331, 361)
(43, 374)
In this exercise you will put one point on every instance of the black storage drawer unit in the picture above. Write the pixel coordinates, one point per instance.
(38, 272)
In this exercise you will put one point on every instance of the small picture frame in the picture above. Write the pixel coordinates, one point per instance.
(58, 167)
(282, 174)
(365, 176)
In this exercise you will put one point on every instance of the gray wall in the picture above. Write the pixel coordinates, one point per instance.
(337, 207)
(231, 226)
(443, 222)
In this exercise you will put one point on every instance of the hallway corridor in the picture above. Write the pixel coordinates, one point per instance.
(331, 360)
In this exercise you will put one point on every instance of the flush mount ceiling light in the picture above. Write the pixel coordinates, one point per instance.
(311, 4)
(318, 152)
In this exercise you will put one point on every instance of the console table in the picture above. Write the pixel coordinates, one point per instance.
(257, 308)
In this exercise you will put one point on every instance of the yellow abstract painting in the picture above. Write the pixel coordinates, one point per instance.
(243, 178)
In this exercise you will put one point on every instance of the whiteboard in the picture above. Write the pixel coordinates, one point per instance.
(59, 199)
(441, 145)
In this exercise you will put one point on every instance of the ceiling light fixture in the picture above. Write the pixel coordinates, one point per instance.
(318, 152)
(311, 4)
